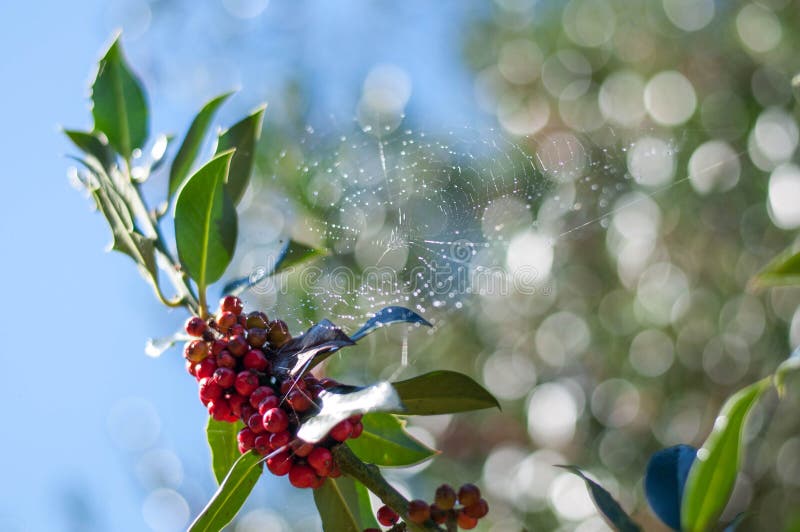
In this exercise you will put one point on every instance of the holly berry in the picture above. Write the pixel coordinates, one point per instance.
(418, 511)
(256, 337)
(302, 476)
(218, 346)
(219, 409)
(342, 430)
(238, 346)
(226, 360)
(321, 460)
(262, 444)
(209, 390)
(196, 350)
(387, 516)
(466, 522)
(254, 422)
(469, 494)
(255, 360)
(269, 403)
(438, 515)
(275, 420)
(358, 428)
(279, 439)
(225, 377)
(302, 449)
(298, 400)
(259, 394)
(231, 304)
(236, 401)
(225, 321)
(477, 510)
(195, 326)
(445, 497)
(246, 440)
(246, 382)
(205, 368)
(278, 333)
(279, 464)
(258, 320)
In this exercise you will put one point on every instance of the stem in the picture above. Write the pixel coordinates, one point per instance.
(371, 477)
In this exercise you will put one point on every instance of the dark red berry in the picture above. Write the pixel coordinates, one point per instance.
(418, 511)
(218, 346)
(358, 428)
(280, 464)
(255, 360)
(445, 497)
(219, 409)
(342, 430)
(190, 368)
(209, 390)
(298, 400)
(225, 377)
(246, 438)
(477, 510)
(438, 515)
(238, 346)
(261, 444)
(236, 401)
(259, 394)
(275, 420)
(289, 385)
(246, 411)
(466, 522)
(225, 321)
(205, 368)
(269, 403)
(196, 350)
(246, 382)
(279, 439)
(254, 422)
(302, 476)
(236, 330)
(226, 360)
(469, 494)
(195, 326)
(278, 333)
(302, 449)
(256, 337)
(231, 304)
(257, 320)
(321, 460)
(387, 516)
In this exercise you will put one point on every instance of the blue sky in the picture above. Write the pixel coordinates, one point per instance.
(77, 317)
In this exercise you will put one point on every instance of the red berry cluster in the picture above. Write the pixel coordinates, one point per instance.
(443, 510)
(232, 360)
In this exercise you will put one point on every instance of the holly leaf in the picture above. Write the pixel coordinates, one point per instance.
(609, 508)
(92, 145)
(664, 481)
(338, 405)
(713, 474)
(385, 442)
(443, 392)
(304, 352)
(243, 137)
(782, 270)
(187, 153)
(230, 495)
(344, 505)
(206, 223)
(387, 316)
(119, 105)
(224, 447)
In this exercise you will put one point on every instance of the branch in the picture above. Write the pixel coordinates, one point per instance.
(371, 477)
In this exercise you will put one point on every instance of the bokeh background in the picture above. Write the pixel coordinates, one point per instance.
(638, 156)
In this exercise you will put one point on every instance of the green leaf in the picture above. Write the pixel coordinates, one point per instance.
(90, 144)
(231, 494)
(182, 163)
(713, 473)
(243, 137)
(443, 392)
(205, 223)
(609, 508)
(344, 506)
(119, 105)
(337, 406)
(224, 447)
(783, 270)
(787, 367)
(385, 442)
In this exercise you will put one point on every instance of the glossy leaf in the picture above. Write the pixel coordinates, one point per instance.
(787, 367)
(291, 254)
(664, 481)
(609, 508)
(712, 477)
(182, 164)
(385, 442)
(119, 106)
(783, 270)
(443, 392)
(231, 494)
(92, 145)
(243, 137)
(343, 505)
(387, 316)
(205, 223)
(221, 437)
(380, 397)
(304, 352)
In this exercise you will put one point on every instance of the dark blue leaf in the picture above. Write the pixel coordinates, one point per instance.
(304, 352)
(610, 508)
(664, 480)
(386, 316)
